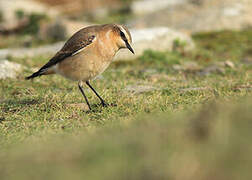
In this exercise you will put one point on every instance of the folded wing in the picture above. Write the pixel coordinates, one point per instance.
(76, 43)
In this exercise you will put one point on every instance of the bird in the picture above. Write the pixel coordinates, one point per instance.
(87, 54)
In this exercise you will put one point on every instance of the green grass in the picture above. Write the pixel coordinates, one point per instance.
(213, 143)
(120, 16)
(170, 133)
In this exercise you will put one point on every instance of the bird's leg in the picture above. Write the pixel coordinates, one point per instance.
(82, 92)
(102, 101)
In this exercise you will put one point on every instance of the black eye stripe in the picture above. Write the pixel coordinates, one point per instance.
(123, 36)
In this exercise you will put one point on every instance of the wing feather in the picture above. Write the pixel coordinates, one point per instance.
(69, 49)
(77, 42)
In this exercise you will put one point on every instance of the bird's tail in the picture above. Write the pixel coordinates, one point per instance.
(42, 71)
(36, 74)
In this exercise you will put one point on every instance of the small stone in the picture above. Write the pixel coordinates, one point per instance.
(177, 67)
(211, 69)
(187, 66)
(191, 66)
(157, 77)
(9, 69)
(149, 71)
(138, 89)
(229, 64)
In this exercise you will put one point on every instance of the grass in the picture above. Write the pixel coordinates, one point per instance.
(185, 129)
(210, 144)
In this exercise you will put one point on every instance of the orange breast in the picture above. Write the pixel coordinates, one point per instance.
(90, 62)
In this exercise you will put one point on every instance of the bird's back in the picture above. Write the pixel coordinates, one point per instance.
(93, 59)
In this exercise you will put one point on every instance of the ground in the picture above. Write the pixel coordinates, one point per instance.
(166, 102)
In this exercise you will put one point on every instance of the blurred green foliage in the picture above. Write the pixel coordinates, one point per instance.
(20, 14)
(127, 2)
(120, 16)
(160, 60)
(33, 26)
(227, 44)
(27, 34)
(34, 20)
(179, 45)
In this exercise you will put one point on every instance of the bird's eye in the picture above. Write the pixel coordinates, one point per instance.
(123, 36)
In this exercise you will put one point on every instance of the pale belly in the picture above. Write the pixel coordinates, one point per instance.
(82, 67)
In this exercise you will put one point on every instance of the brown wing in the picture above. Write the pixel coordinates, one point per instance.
(78, 41)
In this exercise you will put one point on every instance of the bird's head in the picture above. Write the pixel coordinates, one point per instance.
(124, 39)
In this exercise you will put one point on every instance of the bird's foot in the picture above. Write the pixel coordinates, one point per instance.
(107, 105)
(104, 104)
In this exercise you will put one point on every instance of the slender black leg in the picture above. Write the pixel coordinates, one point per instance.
(102, 101)
(82, 92)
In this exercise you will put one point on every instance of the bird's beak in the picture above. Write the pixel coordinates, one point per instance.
(129, 47)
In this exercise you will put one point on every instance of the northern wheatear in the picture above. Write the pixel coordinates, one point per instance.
(87, 54)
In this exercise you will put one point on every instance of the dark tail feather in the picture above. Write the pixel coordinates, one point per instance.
(36, 74)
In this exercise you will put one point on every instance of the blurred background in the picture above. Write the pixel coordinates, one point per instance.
(46, 21)
(183, 101)
(155, 25)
